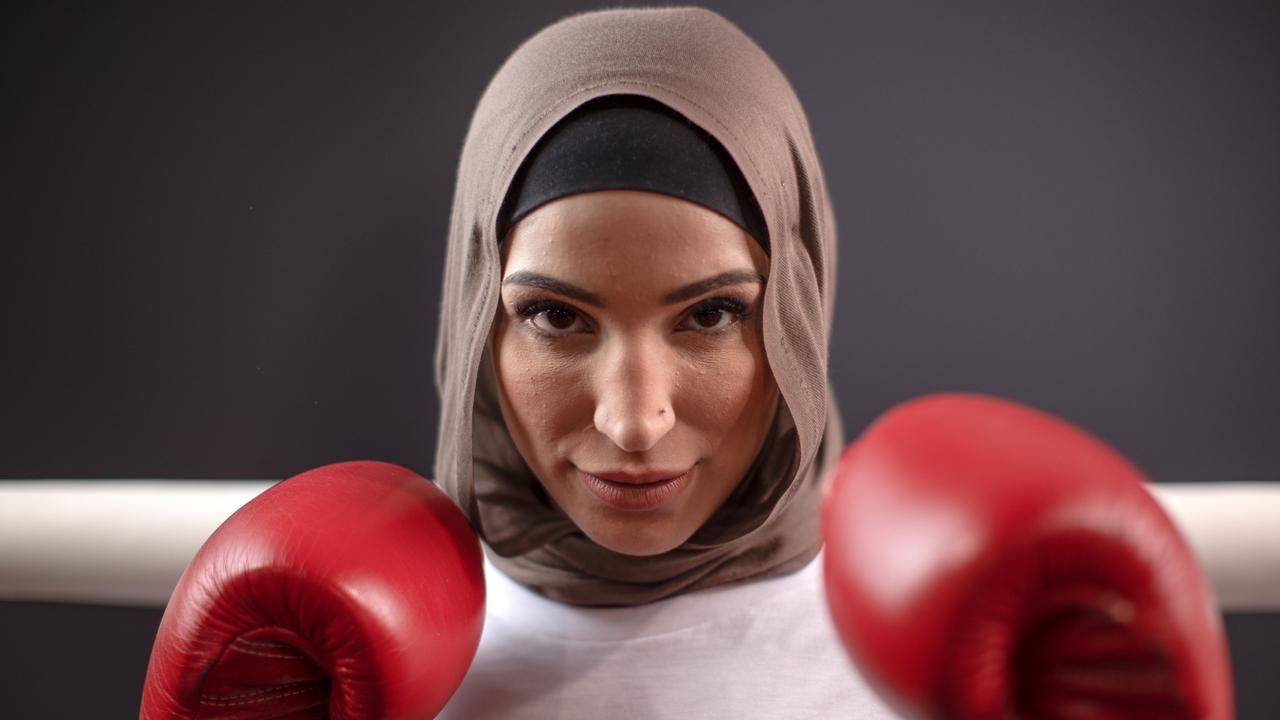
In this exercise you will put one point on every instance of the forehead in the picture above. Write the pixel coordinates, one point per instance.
(629, 234)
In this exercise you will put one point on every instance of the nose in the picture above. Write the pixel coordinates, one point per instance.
(634, 393)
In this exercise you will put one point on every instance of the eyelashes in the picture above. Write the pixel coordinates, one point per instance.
(560, 319)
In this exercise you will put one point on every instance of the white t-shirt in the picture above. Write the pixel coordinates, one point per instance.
(754, 649)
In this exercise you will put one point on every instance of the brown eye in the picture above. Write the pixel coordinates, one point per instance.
(709, 318)
(715, 315)
(552, 318)
(559, 318)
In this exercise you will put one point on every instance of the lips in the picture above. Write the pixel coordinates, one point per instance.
(636, 491)
(648, 477)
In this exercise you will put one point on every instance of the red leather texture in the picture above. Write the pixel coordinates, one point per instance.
(987, 560)
(354, 590)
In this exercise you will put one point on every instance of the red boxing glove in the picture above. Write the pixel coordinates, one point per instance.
(354, 590)
(985, 560)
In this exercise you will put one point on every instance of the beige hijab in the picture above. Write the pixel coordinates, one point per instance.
(703, 66)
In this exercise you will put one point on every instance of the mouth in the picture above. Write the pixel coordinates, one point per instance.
(646, 477)
(640, 491)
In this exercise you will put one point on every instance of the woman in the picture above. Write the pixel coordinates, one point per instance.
(632, 365)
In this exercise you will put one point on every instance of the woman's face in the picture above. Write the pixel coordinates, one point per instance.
(628, 344)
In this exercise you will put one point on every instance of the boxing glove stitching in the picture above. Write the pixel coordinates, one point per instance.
(258, 653)
(264, 696)
(258, 693)
(264, 643)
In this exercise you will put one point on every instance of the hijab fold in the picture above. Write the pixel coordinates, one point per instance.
(703, 67)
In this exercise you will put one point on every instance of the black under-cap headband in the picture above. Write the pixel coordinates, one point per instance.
(631, 142)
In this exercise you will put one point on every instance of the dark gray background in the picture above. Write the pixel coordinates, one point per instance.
(223, 229)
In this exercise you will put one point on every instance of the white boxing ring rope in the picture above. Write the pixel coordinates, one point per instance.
(126, 542)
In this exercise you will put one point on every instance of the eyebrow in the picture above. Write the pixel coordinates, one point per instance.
(528, 278)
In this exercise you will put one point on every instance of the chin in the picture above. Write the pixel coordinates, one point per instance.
(626, 541)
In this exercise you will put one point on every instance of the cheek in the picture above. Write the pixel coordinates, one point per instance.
(728, 398)
(540, 391)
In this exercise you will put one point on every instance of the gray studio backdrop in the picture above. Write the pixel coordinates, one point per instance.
(223, 227)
